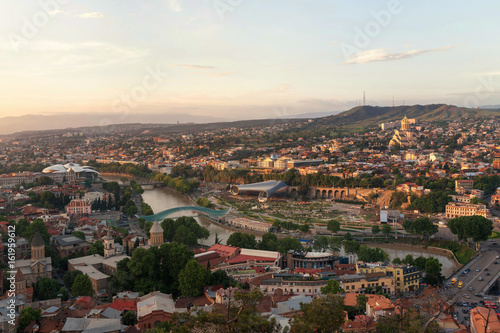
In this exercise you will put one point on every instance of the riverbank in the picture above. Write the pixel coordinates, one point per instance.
(122, 175)
(413, 247)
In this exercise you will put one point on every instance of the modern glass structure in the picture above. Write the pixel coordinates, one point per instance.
(264, 190)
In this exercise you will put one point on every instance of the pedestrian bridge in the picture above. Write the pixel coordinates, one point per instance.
(217, 214)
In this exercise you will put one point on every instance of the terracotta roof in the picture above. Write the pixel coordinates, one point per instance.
(241, 258)
(123, 305)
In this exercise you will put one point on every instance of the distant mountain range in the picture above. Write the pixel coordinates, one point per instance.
(372, 115)
(358, 117)
(10, 125)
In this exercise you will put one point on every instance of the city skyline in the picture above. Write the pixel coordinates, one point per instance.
(241, 59)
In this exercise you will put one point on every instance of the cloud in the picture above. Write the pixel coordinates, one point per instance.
(174, 5)
(382, 55)
(193, 66)
(55, 12)
(92, 15)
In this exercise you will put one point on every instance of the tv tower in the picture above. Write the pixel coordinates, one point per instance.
(364, 98)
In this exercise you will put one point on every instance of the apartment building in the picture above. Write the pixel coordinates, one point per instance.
(457, 209)
(363, 283)
(406, 278)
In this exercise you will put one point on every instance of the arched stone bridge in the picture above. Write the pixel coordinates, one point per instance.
(319, 192)
(217, 214)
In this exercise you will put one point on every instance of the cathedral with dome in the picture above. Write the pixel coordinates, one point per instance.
(404, 137)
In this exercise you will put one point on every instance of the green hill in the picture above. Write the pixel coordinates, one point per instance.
(363, 116)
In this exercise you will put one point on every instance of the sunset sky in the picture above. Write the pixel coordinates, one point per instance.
(242, 59)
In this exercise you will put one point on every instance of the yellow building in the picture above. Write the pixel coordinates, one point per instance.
(406, 278)
(367, 282)
(404, 137)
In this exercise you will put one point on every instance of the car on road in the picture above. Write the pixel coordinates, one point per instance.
(460, 284)
(467, 270)
(480, 278)
(470, 288)
(497, 257)
(478, 270)
(496, 262)
(488, 274)
(453, 280)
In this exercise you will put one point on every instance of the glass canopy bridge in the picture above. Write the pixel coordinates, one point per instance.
(216, 214)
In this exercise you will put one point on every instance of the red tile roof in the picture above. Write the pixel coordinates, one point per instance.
(123, 305)
(241, 258)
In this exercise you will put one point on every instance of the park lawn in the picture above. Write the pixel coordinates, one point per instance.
(464, 255)
(494, 235)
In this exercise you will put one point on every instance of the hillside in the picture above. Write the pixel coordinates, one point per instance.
(362, 116)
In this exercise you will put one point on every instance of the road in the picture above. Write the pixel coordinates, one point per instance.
(474, 289)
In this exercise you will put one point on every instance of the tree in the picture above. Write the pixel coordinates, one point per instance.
(240, 239)
(269, 242)
(321, 243)
(375, 230)
(386, 229)
(368, 254)
(97, 247)
(130, 318)
(331, 287)
(433, 271)
(420, 262)
(288, 243)
(409, 259)
(477, 228)
(82, 286)
(323, 315)
(28, 315)
(241, 316)
(79, 234)
(46, 288)
(220, 277)
(130, 208)
(193, 278)
(333, 226)
(351, 247)
(361, 301)
(70, 276)
(476, 201)
(37, 225)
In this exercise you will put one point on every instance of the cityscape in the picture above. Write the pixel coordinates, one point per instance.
(247, 167)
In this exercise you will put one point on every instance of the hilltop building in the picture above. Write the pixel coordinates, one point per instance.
(404, 137)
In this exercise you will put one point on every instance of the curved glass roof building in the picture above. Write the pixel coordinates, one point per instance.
(263, 189)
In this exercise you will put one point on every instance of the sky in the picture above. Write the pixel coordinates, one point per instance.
(244, 59)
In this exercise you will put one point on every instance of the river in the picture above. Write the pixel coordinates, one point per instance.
(162, 198)
(449, 266)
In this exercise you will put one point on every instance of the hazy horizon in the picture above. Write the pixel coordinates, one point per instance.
(232, 60)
